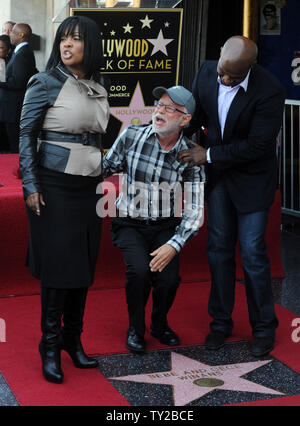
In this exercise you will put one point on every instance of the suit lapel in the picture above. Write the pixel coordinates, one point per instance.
(238, 104)
(14, 54)
(12, 58)
(9, 66)
(215, 96)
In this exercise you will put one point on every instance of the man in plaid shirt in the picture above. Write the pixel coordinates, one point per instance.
(151, 228)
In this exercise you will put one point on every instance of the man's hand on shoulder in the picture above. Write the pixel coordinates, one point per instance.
(194, 156)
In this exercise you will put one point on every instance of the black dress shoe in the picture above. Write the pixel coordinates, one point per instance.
(215, 340)
(134, 342)
(167, 337)
(262, 346)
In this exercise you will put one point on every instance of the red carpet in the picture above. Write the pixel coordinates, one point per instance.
(15, 279)
(105, 331)
(105, 334)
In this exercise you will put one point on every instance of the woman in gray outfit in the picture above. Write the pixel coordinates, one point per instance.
(64, 115)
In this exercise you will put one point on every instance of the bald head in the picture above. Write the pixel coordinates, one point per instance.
(238, 55)
(20, 33)
(239, 50)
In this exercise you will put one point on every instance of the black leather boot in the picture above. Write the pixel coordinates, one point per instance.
(73, 322)
(51, 362)
(73, 346)
(50, 350)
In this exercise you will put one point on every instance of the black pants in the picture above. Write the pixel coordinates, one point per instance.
(13, 133)
(3, 138)
(136, 241)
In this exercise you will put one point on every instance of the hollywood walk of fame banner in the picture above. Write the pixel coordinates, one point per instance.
(141, 49)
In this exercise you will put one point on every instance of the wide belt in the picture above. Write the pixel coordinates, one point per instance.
(85, 138)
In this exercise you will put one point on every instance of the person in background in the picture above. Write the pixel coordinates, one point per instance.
(241, 105)
(64, 115)
(148, 232)
(7, 27)
(18, 72)
(5, 53)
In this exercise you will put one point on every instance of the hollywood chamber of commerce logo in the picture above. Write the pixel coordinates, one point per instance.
(135, 113)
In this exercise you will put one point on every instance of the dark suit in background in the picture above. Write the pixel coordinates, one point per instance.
(242, 179)
(18, 71)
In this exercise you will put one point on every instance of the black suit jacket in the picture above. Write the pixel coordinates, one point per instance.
(245, 158)
(18, 71)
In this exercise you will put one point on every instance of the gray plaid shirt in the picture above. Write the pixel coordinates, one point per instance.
(154, 181)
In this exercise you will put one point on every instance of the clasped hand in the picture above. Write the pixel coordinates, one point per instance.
(194, 156)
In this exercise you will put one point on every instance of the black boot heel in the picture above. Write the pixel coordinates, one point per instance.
(73, 346)
(73, 324)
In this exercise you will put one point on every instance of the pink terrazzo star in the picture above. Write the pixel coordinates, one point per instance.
(192, 379)
(136, 112)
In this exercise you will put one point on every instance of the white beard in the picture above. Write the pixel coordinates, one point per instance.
(169, 128)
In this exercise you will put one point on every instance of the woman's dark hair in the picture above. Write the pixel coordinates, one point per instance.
(6, 40)
(90, 33)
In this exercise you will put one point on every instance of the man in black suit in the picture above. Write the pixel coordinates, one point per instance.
(18, 71)
(241, 105)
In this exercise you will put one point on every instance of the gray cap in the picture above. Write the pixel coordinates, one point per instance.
(179, 96)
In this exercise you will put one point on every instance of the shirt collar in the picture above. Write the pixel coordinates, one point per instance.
(18, 47)
(243, 84)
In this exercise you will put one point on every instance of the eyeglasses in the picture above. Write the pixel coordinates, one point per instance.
(168, 108)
